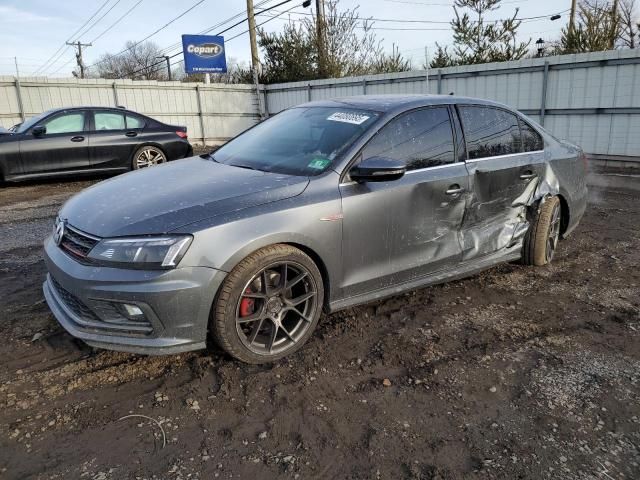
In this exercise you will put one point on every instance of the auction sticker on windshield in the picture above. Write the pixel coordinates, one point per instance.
(346, 117)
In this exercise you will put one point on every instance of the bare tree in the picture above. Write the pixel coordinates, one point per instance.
(628, 35)
(597, 28)
(350, 48)
(139, 61)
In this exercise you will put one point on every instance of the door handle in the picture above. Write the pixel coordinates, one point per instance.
(454, 190)
(131, 134)
(77, 139)
(527, 175)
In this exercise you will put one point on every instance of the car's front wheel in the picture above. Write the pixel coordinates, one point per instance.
(269, 305)
(541, 240)
(148, 156)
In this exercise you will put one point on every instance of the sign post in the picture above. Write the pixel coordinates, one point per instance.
(204, 54)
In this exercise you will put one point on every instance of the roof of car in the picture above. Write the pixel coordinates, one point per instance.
(92, 107)
(386, 103)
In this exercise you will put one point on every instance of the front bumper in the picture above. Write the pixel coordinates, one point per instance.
(176, 303)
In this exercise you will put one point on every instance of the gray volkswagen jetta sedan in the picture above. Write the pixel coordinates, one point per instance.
(324, 206)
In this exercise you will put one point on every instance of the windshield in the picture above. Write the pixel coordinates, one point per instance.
(27, 124)
(299, 141)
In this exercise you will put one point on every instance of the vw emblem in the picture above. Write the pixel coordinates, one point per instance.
(59, 232)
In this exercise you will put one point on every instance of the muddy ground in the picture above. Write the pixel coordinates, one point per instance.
(516, 373)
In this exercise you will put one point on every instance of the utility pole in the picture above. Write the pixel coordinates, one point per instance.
(255, 60)
(572, 17)
(19, 90)
(168, 60)
(426, 65)
(79, 54)
(320, 34)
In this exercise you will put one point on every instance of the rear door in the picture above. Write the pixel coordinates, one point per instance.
(401, 230)
(504, 172)
(64, 146)
(114, 138)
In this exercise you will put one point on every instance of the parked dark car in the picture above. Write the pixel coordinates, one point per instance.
(326, 205)
(88, 139)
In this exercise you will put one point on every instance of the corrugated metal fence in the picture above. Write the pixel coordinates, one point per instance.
(212, 113)
(591, 99)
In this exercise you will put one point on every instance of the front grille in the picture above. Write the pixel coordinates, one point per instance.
(73, 303)
(77, 243)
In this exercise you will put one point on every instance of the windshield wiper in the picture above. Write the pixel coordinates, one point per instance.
(248, 167)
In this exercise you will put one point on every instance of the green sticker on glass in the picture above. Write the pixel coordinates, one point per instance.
(319, 163)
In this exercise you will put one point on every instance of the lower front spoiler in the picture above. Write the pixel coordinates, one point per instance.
(146, 346)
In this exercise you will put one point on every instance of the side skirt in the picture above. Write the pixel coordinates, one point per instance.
(63, 173)
(462, 270)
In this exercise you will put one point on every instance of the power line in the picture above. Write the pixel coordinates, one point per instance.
(73, 35)
(219, 33)
(235, 36)
(207, 30)
(148, 36)
(445, 22)
(59, 57)
(98, 21)
(117, 21)
(80, 34)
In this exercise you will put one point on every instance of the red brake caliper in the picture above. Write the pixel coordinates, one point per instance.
(247, 305)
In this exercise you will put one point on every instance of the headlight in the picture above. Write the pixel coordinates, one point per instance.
(147, 252)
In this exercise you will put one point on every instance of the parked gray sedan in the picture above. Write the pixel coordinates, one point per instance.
(324, 206)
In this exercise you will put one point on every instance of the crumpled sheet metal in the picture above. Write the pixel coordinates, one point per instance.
(499, 207)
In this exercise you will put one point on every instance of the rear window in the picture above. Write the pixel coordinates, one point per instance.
(134, 121)
(531, 140)
(109, 121)
(490, 132)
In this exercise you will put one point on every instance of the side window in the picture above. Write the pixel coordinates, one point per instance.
(422, 138)
(108, 121)
(134, 122)
(66, 123)
(490, 132)
(531, 140)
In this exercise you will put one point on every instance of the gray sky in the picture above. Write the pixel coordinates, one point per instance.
(34, 30)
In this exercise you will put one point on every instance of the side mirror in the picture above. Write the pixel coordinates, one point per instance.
(377, 169)
(39, 130)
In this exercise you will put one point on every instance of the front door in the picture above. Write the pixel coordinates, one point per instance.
(62, 147)
(505, 166)
(397, 231)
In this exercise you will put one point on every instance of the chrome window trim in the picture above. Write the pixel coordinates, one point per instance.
(503, 156)
(408, 172)
(435, 167)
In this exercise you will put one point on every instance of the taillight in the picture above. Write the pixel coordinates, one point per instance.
(181, 134)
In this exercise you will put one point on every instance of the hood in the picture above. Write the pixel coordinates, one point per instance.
(164, 198)
(4, 131)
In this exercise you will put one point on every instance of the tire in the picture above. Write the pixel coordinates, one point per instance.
(542, 238)
(255, 324)
(147, 156)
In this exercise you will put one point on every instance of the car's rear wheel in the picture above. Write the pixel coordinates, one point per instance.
(148, 156)
(269, 305)
(541, 240)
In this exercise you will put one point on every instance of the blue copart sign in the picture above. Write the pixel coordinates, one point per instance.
(204, 54)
